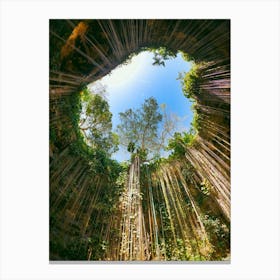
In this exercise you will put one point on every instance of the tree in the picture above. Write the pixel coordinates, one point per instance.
(139, 128)
(169, 126)
(180, 141)
(161, 54)
(96, 122)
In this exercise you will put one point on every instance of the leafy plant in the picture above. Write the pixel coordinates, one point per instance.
(161, 54)
(138, 129)
(96, 122)
(180, 142)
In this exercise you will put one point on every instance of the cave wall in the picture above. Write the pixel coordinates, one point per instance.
(83, 51)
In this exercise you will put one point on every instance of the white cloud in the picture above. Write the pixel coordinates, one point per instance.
(125, 75)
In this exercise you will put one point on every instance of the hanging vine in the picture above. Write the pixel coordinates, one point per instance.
(165, 209)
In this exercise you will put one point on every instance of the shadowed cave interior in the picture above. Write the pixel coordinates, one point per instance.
(169, 209)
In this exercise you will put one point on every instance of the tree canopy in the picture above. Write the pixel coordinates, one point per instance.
(96, 122)
(139, 128)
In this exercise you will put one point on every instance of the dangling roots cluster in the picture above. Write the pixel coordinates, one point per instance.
(175, 209)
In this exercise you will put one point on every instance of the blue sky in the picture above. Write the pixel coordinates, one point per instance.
(129, 85)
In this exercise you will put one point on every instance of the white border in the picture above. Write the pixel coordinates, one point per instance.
(24, 138)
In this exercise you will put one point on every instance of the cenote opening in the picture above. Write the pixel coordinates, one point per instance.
(157, 74)
(165, 195)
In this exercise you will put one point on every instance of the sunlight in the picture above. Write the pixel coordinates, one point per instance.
(125, 75)
(129, 85)
(139, 161)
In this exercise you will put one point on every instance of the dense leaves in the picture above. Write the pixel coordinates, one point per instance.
(190, 81)
(138, 129)
(179, 142)
(96, 122)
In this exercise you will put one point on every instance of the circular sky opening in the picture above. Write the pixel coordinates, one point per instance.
(131, 83)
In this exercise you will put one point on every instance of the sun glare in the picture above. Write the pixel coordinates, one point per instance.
(125, 75)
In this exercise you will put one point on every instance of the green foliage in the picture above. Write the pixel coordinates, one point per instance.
(96, 122)
(219, 234)
(139, 132)
(96, 157)
(179, 142)
(195, 126)
(131, 147)
(85, 95)
(138, 129)
(190, 85)
(191, 82)
(122, 178)
(205, 190)
(96, 116)
(205, 187)
(141, 153)
(78, 248)
(161, 54)
(187, 57)
(60, 135)
(187, 170)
